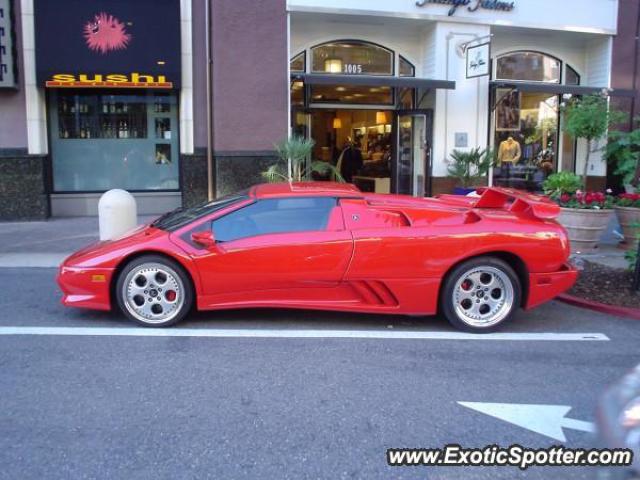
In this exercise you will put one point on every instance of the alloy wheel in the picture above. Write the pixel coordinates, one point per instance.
(153, 293)
(483, 296)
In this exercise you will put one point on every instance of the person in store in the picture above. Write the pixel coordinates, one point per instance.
(350, 161)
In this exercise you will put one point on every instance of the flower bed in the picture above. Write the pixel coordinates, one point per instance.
(586, 200)
(608, 285)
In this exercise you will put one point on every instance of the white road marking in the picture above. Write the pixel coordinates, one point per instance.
(31, 260)
(547, 420)
(304, 333)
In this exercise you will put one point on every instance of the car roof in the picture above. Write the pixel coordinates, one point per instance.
(302, 189)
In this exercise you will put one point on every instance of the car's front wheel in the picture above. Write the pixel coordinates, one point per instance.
(154, 291)
(480, 294)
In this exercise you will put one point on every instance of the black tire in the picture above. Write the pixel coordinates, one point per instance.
(176, 280)
(455, 287)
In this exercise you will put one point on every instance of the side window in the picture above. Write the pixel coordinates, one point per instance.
(275, 215)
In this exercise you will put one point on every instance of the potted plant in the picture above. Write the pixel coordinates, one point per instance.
(584, 215)
(627, 208)
(623, 152)
(293, 164)
(469, 167)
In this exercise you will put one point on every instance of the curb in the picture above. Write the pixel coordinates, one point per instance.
(633, 313)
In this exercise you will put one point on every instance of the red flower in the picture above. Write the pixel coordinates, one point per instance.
(565, 197)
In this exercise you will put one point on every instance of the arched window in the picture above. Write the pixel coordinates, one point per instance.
(351, 57)
(406, 67)
(298, 63)
(571, 76)
(528, 66)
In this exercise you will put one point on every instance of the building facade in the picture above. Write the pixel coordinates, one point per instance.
(116, 95)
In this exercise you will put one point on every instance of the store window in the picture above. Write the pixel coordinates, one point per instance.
(352, 94)
(526, 138)
(113, 139)
(528, 143)
(352, 58)
(528, 66)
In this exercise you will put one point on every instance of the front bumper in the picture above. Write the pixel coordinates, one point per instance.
(85, 287)
(546, 286)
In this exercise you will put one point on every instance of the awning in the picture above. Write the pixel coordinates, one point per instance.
(557, 89)
(372, 81)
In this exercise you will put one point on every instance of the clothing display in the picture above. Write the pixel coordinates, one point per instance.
(509, 151)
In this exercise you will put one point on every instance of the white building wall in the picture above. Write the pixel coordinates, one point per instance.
(590, 16)
(464, 109)
(598, 53)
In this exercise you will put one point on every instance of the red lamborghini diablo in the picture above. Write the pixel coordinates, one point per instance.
(329, 246)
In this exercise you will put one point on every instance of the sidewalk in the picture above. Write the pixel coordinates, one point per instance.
(608, 255)
(47, 243)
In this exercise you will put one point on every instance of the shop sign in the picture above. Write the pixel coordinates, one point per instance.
(472, 5)
(7, 52)
(112, 80)
(478, 60)
(103, 43)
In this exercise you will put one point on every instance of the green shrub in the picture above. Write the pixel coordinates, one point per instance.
(560, 183)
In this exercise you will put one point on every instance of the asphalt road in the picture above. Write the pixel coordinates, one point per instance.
(186, 407)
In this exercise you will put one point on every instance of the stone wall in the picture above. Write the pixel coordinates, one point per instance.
(233, 171)
(24, 186)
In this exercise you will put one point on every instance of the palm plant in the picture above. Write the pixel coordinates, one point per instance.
(468, 167)
(293, 165)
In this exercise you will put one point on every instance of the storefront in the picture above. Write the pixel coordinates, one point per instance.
(111, 88)
(405, 134)
(367, 113)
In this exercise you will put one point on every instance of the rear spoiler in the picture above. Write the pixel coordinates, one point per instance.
(515, 201)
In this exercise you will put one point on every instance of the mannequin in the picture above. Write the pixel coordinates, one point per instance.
(509, 151)
(509, 154)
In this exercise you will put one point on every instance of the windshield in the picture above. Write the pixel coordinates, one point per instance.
(181, 216)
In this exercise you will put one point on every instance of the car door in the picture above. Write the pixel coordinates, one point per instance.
(381, 237)
(280, 245)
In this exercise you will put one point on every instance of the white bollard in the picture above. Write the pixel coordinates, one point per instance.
(117, 213)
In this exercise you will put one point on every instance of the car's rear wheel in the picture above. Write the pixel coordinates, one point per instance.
(480, 295)
(154, 291)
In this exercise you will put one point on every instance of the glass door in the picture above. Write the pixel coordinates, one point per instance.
(412, 168)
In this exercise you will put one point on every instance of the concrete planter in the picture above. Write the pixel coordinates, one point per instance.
(627, 216)
(585, 227)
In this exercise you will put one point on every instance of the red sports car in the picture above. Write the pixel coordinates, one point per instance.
(329, 246)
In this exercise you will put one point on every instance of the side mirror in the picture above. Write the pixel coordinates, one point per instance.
(204, 238)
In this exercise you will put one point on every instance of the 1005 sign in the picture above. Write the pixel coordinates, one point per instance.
(352, 68)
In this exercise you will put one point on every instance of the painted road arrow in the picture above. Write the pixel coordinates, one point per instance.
(547, 420)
